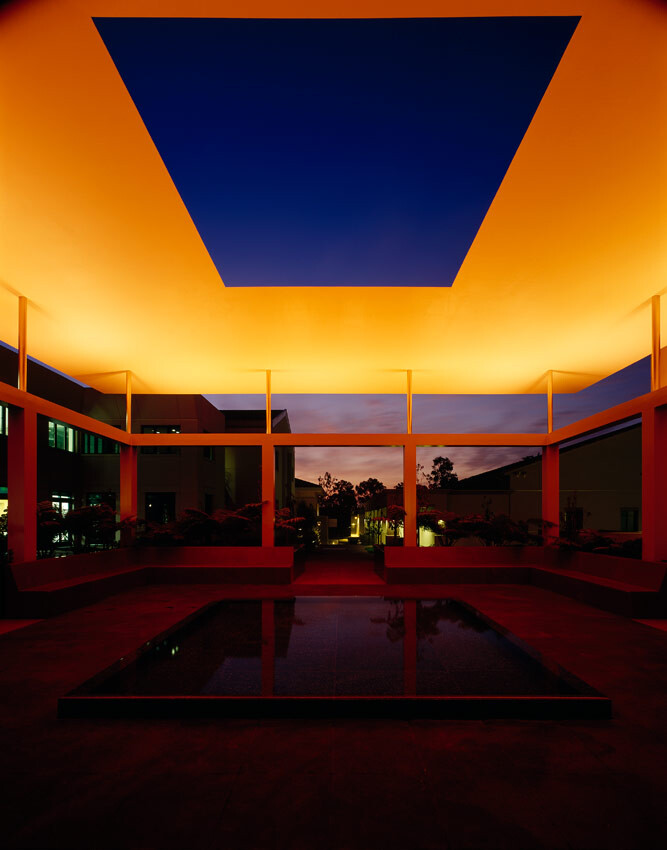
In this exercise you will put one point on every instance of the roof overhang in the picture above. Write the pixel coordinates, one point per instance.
(559, 277)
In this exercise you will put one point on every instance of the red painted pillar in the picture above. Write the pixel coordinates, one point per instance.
(550, 491)
(268, 493)
(654, 484)
(22, 484)
(128, 487)
(410, 494)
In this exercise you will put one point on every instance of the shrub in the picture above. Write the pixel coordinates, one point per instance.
(49, 526)
(91, 527)
(294, 530)
(193, 527)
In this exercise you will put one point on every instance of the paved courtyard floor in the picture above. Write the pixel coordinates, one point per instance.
(409, 785)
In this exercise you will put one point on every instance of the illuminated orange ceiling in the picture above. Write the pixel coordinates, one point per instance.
(559, 276)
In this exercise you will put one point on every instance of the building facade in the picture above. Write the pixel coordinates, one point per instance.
(77, 468)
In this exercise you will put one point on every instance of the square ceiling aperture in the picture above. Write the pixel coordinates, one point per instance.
(337, 152)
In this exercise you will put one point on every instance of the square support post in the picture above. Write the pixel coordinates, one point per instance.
(550, 401)
(655, 343)
(410, 494)
(128, 488)
(654, 484)
(268, 493)
(22, 484)
(268, 401)
(550, 491)
(23, 344)
(128, 402)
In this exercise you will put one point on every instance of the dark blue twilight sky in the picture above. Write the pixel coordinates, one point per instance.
(337, 152)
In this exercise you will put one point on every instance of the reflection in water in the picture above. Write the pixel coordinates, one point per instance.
(429, 614)
(333, 646)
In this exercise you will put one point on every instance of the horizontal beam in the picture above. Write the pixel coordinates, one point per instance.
(613, 415)
(42, 407)
(444, 440)
(338, 440)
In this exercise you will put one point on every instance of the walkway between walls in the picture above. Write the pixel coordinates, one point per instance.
(339, 565)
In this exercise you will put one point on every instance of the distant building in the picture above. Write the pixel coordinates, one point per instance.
(600, 485)
(600, 488)
(308, 494)
(307, 500)
(374, 527)
(76, 468)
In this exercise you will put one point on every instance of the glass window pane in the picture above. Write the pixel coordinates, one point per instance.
(341, 413)
(622, 386)
(479, 414)
(242, 411)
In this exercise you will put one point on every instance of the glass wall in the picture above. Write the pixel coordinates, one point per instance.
(4, 426)
(78, 489)
(601, 490)
(343, 414)
(479, 495)
(242, 413)
(199, 495)
(622, 386)
(352, 490)
(479, 414)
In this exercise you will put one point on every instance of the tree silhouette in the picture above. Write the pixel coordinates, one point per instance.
(338, 501)
(365, 490)
(442, 475)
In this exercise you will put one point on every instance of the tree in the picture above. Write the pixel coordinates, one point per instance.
(338, 501)
(91, 527)
(365, 490)
(49, 526)
(396, 518)
(442, 475)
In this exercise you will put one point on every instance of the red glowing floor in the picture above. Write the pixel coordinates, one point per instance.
(333, 783)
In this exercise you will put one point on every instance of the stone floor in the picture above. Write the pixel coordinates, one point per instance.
(337, 784)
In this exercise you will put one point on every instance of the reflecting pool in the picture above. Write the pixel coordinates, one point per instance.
(352, 650)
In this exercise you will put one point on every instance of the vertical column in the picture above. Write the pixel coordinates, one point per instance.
(23, 343)
(655, 342)
(128, 402)
(128, 487)
(410, 494)
(409, 402)
(654, 484)
(550, 491)
(22, 484)
(268, 493)
(268, 401)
